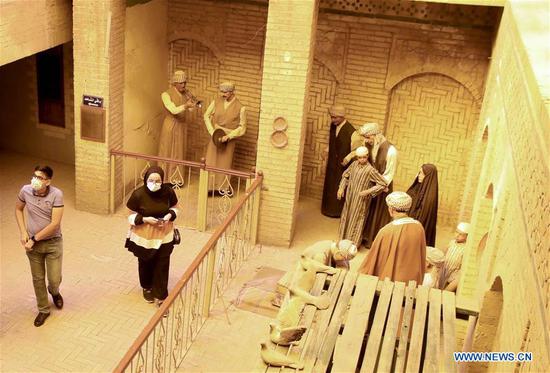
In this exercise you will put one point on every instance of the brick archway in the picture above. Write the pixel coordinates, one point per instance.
(322, 93)
(432, 119)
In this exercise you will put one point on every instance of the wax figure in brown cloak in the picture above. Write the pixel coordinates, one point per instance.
(424, 194)
(339, 147)
(399, 249)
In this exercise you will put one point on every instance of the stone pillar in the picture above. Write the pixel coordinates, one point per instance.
(98, 41)
(288, 59)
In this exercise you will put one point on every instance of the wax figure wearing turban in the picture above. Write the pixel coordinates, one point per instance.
(450, 272)
(399, 249)
(339, 146)
(228, 114)
(173, 134)
(383, 157)
(424, 194)
(360, 182)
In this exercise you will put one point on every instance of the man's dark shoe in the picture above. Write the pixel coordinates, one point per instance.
(148, 295)
(40, 319)
(58, 301)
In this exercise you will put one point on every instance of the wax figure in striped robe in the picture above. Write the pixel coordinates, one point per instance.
(449, 275)
(399, 249)
(359, 183)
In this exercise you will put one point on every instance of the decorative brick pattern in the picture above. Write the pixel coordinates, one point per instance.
(321, 96)
(432, 120)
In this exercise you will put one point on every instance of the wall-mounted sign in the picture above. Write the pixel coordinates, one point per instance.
(92, 101)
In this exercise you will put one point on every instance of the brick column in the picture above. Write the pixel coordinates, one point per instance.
(288, 60)
(98, 37)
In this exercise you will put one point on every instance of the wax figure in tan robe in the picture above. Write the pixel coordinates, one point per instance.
(227, 113)
(173, 134)
(399, 249)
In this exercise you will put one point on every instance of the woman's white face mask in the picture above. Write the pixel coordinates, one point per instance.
(153, 186)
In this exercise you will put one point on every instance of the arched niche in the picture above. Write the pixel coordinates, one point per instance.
(432, 118)
(489, 192)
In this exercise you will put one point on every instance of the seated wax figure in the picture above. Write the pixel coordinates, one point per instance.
(434, 262)
(449, 275)
(324, 255)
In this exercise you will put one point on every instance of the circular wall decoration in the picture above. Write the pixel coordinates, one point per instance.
(279, 139)
(280, 124)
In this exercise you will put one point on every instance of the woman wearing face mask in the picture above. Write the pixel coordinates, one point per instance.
(424, 194)
(151, 236)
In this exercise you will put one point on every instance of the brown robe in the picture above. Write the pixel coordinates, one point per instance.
(228, 119)
(173, 137)
(398, 252)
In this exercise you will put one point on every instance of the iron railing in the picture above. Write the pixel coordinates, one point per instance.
(206, 194)
(163, 343)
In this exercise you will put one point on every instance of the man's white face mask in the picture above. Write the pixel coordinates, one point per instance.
(36, 183)
(152, 186)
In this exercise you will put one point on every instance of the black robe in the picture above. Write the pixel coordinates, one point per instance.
(339, 147)
(378, 215)
(425, 201)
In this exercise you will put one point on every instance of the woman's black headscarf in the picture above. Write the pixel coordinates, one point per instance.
(153, 170)
(149, 203)
(425, 201)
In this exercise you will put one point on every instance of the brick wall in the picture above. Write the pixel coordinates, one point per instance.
(516, 164)
(99, 71)
(28, 28)
(360, 67)
(286, 78)
(214, 42)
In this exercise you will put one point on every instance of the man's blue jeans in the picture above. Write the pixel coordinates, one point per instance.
(45, 259)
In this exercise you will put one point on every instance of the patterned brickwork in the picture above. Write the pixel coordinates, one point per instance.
(321, 96)
(204, 43)
(432, 120)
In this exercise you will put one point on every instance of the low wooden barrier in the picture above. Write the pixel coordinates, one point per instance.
(377, 326)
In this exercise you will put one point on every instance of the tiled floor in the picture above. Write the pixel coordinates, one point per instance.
(104, 311)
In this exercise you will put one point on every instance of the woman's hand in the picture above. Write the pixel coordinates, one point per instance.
(340, 193)
(150, 220)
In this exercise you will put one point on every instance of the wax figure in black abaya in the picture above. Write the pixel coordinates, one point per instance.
(424, 194)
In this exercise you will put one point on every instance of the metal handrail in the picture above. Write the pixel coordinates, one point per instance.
(210, 245)
(200, 165)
